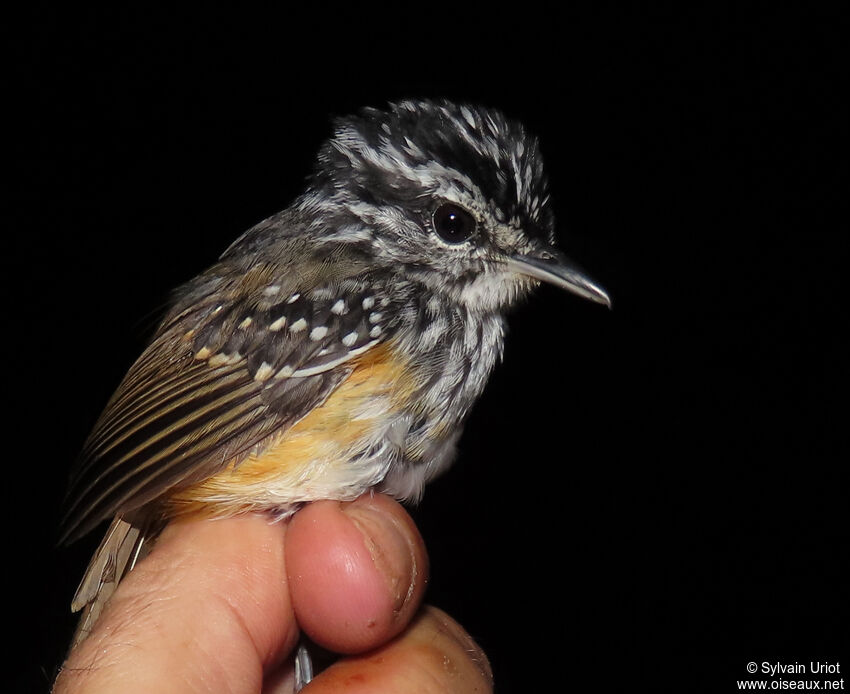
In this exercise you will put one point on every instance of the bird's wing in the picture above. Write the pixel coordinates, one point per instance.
(237, 360)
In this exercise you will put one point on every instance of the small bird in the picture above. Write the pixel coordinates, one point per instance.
(335, 347)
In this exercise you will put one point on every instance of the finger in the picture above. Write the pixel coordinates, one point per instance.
(434, 655)
(357, 571)
(207, 611)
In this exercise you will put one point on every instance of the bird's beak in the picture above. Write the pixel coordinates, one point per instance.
(557, 269)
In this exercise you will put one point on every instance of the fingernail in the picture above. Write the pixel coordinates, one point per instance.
(466, 642)
(389, 546)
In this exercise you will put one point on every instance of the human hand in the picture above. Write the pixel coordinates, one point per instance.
(218, 604)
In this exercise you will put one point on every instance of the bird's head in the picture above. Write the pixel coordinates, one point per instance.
(452, 196)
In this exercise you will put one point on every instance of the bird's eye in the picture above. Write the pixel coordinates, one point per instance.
(453, 223)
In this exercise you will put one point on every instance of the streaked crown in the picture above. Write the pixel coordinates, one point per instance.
(443, 192)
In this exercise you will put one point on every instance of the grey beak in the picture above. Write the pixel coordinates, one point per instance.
(560, 271)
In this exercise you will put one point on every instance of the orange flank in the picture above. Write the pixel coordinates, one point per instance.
(316, 452)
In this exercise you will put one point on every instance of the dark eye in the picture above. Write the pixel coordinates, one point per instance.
(453, 223)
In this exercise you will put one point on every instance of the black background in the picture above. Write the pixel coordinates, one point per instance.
(648, 498)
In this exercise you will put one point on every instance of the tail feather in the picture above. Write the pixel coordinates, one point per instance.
(123, 545)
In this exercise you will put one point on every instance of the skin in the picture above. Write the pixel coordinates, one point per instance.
(218, 604)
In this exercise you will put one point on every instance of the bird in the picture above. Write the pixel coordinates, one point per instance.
(337, 346)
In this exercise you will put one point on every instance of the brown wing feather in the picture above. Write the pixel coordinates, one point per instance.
(164, 437)
(213, 385)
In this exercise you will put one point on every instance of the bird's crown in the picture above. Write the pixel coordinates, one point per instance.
(437, 189)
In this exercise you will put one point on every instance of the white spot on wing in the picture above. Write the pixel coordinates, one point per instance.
(349, 339)
(264, 372)
(318, 333)
(285, 372)
(233, 358)
(467, 114)
(298, 326)
(278, 324)
(338, 308)
(218, 359)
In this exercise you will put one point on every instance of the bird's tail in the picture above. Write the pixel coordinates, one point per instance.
(123, 546)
